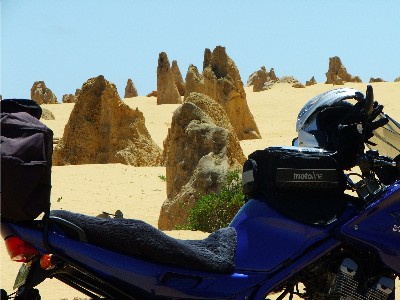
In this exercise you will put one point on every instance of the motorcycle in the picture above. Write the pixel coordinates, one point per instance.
(355, 255)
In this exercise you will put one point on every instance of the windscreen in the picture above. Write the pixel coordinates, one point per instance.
(387, 138)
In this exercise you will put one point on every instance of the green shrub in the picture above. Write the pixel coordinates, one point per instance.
(214, 211)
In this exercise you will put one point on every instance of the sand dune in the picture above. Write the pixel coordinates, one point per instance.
(139, 192)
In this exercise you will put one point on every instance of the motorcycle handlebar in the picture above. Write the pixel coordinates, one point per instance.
(377, 163)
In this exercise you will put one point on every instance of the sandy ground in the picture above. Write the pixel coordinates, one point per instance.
(139, 192)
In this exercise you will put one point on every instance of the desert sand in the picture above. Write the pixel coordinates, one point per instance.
(140, 191)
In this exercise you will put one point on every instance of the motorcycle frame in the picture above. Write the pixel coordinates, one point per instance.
(257, 272)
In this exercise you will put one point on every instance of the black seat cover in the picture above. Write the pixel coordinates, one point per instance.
(139, 239)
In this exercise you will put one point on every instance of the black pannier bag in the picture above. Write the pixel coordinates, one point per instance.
(26, 156)
(305, 184)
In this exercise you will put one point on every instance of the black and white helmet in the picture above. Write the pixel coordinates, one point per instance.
(317, 122)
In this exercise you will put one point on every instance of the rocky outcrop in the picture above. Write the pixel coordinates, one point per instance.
(337, 73)
(338, 81)
(397, 79)
(42, 94)
(298, 85)
(152, 94)
(180, 84)
(262, 80)
(197, 159)
(167, 92)
(194, 81)
(288, 79)
(207, 58)
(372, 79)
(214, 110)
(310, 82)
(103, 129)
(221, 81)
(130, 89)
(47, 114)
(68, 98)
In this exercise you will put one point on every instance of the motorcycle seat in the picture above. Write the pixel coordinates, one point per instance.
(141, 240)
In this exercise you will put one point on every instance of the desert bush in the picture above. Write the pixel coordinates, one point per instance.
(213, 211)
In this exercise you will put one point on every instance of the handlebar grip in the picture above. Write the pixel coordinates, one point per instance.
(369, 100)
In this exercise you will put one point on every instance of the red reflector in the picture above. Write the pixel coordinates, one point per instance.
(20, 250)
(46, 262)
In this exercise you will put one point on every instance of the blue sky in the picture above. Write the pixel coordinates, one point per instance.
(65, 42)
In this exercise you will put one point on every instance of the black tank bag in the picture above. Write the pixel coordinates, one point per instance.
(26, 160)
(305, 184)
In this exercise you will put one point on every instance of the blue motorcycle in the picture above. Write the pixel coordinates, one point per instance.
(307, 228)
